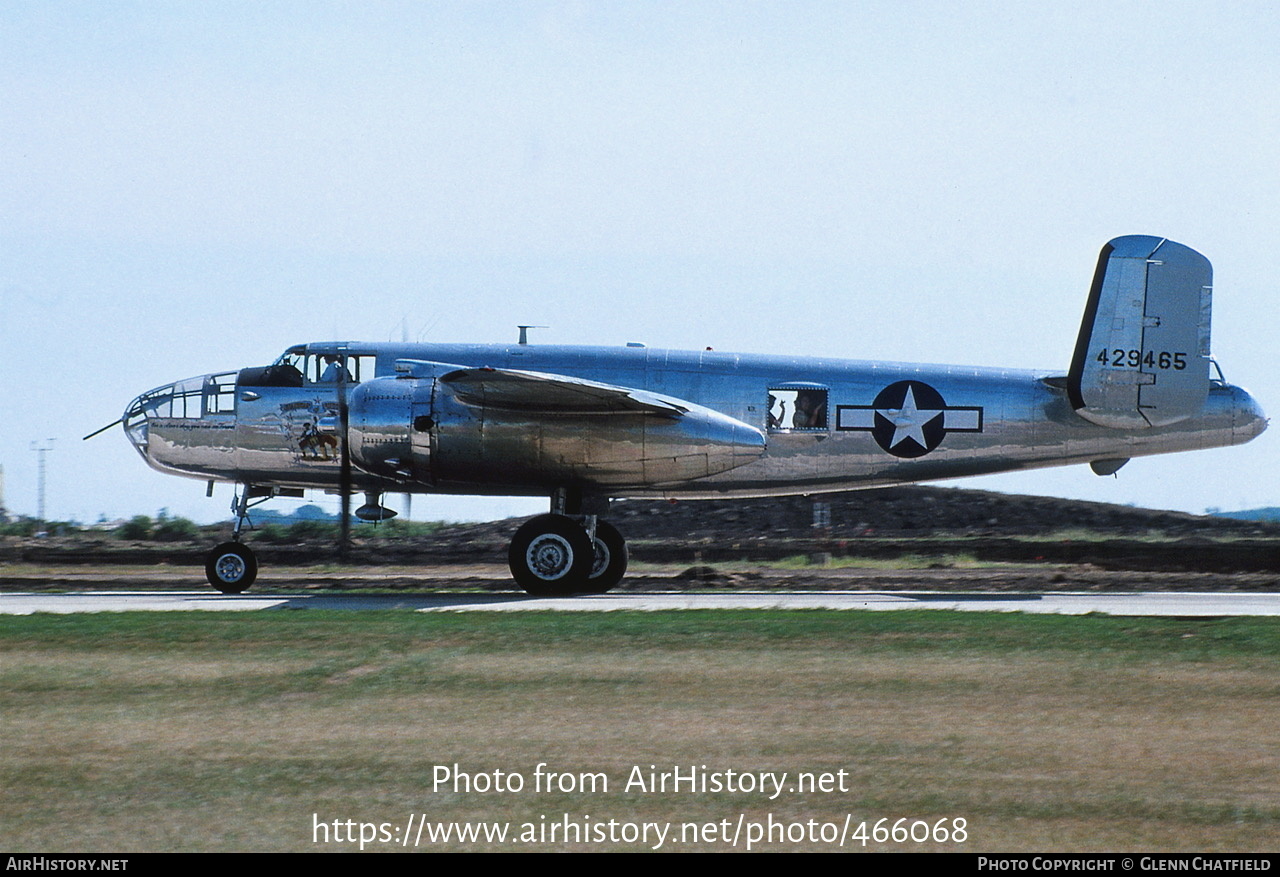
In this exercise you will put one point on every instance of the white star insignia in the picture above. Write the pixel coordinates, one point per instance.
(909, 421)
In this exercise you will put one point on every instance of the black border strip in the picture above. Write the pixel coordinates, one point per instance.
(1076, 373)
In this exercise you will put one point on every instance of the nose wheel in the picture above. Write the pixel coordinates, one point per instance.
(231, 567)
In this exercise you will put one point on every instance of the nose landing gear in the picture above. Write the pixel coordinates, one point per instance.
(232, 567)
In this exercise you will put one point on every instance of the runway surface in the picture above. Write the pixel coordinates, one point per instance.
(1135, 604)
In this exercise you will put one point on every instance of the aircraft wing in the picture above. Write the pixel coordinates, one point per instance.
(514, 390)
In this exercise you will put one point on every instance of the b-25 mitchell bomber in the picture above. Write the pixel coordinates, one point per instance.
(585, 425)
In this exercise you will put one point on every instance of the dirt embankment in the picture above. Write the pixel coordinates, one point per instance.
(938, 522)
(928, 526)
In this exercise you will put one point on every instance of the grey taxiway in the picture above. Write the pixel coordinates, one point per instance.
(1185, 604)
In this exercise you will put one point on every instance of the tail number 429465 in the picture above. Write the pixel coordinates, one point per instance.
(1119, 358)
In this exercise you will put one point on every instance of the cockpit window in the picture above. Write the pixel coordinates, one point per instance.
(319, 367)
(333, 369)
(793, 409)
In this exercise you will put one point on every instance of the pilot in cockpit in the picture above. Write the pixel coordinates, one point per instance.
(334, 371)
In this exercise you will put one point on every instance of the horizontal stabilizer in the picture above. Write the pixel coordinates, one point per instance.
(534, 391)
(1142, 357)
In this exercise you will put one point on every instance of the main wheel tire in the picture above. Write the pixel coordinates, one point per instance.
(551, 555)
(609, 563)
(231, 567)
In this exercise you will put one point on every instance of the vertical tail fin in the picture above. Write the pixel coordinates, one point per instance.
(1142, 357)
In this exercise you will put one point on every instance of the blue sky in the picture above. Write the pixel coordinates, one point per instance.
(192, 187)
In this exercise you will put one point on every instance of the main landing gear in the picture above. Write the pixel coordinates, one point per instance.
(565, 552)
(555, 555)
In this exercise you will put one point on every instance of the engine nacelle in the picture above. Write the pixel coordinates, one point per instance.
(381, 429)
(427, 431)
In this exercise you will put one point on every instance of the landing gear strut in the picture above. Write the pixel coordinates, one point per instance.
(609, 561)
(231, 567)
(567, 552)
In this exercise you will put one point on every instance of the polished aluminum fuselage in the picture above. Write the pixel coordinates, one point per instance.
(884, 423)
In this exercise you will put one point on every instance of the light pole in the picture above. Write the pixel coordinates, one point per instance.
(41, 452)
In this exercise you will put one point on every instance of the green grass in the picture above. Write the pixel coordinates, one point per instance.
(338, 631)
(220, 731)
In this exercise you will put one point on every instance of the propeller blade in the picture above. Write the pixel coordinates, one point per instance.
(344, 473)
